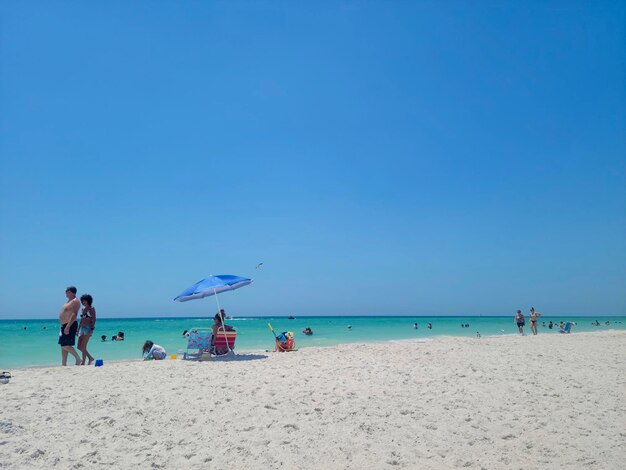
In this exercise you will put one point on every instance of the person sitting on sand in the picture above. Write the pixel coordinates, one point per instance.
(520, 321)
(153, 351)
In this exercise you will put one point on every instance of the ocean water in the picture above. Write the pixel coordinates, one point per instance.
(31, 343)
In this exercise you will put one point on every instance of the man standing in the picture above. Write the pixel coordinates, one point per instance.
(69, 326)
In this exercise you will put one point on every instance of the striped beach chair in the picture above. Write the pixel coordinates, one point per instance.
(224, 342)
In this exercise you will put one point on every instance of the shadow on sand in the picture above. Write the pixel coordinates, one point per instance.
(237, 357)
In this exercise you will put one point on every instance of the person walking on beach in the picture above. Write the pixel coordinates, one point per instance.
(520, 321)
(534, 320)
(69, 326)
(86, 326)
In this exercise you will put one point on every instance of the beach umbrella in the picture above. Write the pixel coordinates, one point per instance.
(213, 285)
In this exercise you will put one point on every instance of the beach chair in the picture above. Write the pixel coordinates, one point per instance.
(198, 343)
(567, 329)
(285, 342)
(224, 342)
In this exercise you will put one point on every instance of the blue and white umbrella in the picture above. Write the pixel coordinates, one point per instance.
(212, 285)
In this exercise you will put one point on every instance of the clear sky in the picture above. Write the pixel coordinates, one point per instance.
(378, 157)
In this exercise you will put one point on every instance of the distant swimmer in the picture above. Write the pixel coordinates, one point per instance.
(258, 266)
(349, 327)
(415, 327)
(477, 334)
(430, 326)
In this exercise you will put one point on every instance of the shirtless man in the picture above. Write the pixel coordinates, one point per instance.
(69, 326)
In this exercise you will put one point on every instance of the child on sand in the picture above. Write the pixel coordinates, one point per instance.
(153, 351)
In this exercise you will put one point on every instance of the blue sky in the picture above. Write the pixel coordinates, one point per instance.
(378, 157)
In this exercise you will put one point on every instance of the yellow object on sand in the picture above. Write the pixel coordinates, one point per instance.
(174, 356)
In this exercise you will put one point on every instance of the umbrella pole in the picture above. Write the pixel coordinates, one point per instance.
(219, 312)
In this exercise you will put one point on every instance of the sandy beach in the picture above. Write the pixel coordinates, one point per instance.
(500, 402)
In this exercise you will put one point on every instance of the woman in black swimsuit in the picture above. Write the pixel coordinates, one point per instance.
(533, 320)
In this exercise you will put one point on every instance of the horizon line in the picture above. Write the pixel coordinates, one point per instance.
(295, 317)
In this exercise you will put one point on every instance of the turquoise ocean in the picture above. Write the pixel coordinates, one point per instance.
(33, 343)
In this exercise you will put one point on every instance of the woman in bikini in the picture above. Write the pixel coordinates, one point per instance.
(86, 326)
(533, 320)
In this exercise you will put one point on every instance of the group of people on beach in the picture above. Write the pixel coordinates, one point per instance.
(520, 321)
(71, 328)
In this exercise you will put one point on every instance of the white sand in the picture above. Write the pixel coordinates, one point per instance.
(552, 401)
